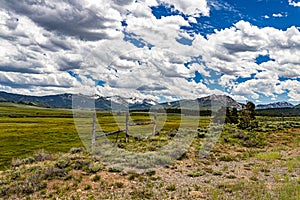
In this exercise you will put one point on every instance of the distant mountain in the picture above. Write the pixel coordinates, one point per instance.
(61, 101)
(279, 112)
(205, 103)
(65, 101)
(133, 103)
(222, 100)
(131, 100)
(52, 101)
(119, 103)
(275, 105)
(297, 106)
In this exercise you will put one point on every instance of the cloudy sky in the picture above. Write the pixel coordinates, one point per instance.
(159, 49)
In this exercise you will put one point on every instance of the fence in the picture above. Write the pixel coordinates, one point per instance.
(126, 130)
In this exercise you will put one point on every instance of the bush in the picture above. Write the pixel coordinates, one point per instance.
(16, 162)
(171, 187)
(82, 164)
(119, 184)
(15, 175)
(195, 174)
(95, 167)
(62, 163)
(29, 160)
(51, 173)
(226, 158)
(77, 150)
(31, 184)
(42, 156)
(217, 173)
(115, 169)
(142, 194)
(255, 140)
(96, 178)
(150, 173)
(132, 176)
(4, 191)
(87, 187)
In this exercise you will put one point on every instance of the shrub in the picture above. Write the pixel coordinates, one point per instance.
(62, 163)
(142, 194)
(96, 178)
(195, 174)
(119, 184)
(15, 175)
(115, 169)
(31, 184)
(253, 178)
(51, 173)
(171, 187)
(226, 158)
(16, 162)
(95, 167)
(208, 170)
(76, 150)
(87, 187)
(217, 173)
(29, 160)
(150, 173)
(81, 164)
(132, 176)
(69, 177)
(4, 191)
(42, 156)
(231, 176)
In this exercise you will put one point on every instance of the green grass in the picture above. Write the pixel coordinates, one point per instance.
(288, 190)
(25, 129)
(268, 156)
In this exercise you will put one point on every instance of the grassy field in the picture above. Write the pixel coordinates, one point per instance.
(259, 163)
(27, 129)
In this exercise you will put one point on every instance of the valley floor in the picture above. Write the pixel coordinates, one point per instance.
(267, 167)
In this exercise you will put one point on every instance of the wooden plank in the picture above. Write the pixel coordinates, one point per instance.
(110, 133)
(94, 131)
(154, 123)
(141, 123)
(117, 137)
(127, 127)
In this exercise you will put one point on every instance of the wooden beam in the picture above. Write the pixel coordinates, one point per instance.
(110, 133)
(154, 123)
(127, 127)
(94, 131)
(141, 123)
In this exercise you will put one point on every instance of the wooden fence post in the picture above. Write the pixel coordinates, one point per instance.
(154, 124)
(117, 138)
(127, 126)
(94, 131)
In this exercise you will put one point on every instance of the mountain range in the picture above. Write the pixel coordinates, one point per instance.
(283, 104)
(118, 102)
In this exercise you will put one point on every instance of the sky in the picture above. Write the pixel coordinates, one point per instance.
(158, 49)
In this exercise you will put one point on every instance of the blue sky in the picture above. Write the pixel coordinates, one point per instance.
(158, 49)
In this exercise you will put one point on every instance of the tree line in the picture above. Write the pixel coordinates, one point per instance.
(244, 118)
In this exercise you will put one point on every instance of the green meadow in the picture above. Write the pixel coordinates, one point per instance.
(26, 129)
(40, 158)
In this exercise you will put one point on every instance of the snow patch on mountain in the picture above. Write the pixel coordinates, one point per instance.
(131, 100)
